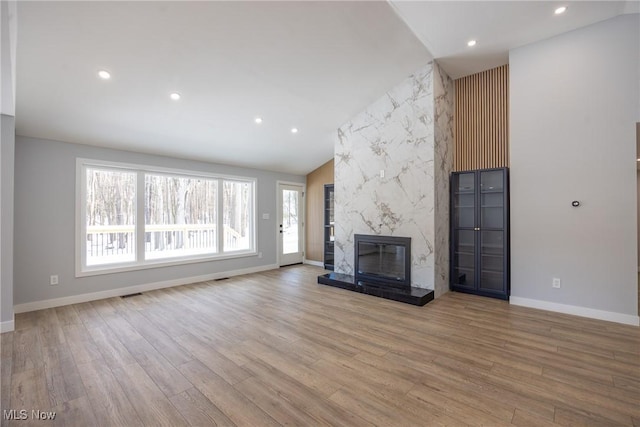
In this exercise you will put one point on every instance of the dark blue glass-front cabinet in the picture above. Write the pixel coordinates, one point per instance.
(480, 232)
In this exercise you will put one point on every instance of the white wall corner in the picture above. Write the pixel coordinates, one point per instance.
(627, 319)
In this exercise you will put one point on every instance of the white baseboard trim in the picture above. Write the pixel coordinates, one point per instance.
(315, 263)
(7, 326)
(627, 319)
(76, 299)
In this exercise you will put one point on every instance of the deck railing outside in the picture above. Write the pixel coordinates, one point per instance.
(107, 244)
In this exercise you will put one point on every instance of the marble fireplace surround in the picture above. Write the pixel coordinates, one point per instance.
(392, 165)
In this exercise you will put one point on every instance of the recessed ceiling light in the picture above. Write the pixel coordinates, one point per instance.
(103, 74)
(561, 10)
(258, 120)
(294, 130)
(471, 43)
(175, 96)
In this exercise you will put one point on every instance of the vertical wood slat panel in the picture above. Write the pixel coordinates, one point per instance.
(315, 210)
(481, 138)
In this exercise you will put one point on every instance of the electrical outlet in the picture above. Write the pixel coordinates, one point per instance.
(259, 254)
(53, 280)
(556, 283)
(381, 173)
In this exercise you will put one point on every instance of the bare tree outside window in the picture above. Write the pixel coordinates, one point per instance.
(180, 216)
(236, 206)
(110, 216)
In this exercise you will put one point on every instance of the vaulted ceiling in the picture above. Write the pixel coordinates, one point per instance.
(305, 65)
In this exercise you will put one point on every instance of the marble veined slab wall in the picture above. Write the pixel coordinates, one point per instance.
(443, 90)
(392, 165)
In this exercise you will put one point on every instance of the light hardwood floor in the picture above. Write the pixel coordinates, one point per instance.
(276, 348)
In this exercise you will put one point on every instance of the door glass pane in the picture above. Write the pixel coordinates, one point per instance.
(464, 258)
(464, 200)
(492, 260)
(290, 229)
(492, 199)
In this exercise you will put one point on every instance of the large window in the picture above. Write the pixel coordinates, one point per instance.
(132, 217)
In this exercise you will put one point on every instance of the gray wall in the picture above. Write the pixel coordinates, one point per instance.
(7, 143)
(574, 105)
(8, 44)
(45, 208)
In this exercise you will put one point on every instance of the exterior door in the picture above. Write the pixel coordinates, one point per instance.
(290, 224)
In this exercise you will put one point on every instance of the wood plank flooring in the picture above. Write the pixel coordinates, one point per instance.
(275, 348)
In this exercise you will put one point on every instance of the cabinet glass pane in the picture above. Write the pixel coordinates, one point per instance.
(465, 209)
(492, 260)
(329, 226)
(464, 200)
(465, 183)
(492, 181)
(492, 282)
(492, 210)
(491, 199)
(329, 204)
(464, 258)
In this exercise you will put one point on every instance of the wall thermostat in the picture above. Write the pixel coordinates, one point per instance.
(575, 203)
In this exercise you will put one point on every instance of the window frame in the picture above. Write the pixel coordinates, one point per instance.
(140, 263)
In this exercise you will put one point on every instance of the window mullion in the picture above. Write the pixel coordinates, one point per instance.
(81, 218)
(140, 220)
(220, 216)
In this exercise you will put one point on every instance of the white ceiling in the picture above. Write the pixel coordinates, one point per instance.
(445, 27)
(312, 65)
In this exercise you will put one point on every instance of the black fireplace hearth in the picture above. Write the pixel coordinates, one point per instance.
(382, 269)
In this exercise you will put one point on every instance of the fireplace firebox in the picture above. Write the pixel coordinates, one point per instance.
(383, 260)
